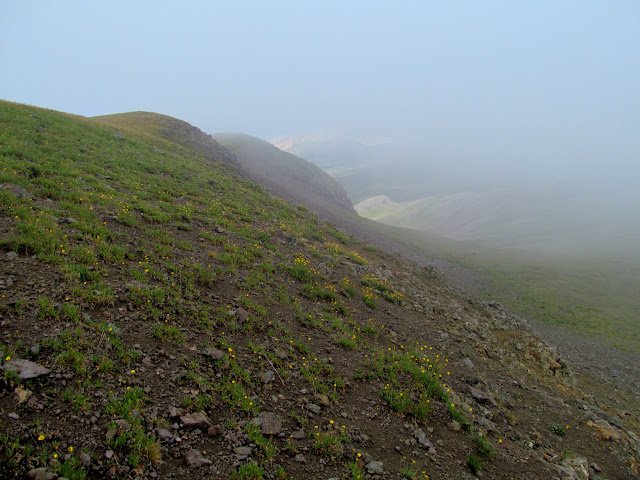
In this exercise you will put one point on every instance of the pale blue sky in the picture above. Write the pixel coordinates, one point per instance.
(548, 81)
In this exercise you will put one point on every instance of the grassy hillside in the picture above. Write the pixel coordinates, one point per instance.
(164, 317)
(588, 293)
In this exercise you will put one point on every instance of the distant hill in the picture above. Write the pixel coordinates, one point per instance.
(287, 175)
(547, 220)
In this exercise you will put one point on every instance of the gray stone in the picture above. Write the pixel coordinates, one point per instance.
(214, 431)
(242, 315)
(213, 353)
(41, 474)
(242, 452)
(468, 363)
(268, 376)
(85, 459)
(194, 458)
(16, 190)
(123, 425)
(164, 435)
(270, 423)
(580, 467)
(25, 369)
(11, 256)
(300, 458)
(322, 399)
(313, 408)
(298, 435)
(14, 416)
(423, 440)
(482, 397)
(375, 468)
(195, 420)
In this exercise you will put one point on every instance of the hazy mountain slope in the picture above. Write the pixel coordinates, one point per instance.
(164, 318)
(285, 173)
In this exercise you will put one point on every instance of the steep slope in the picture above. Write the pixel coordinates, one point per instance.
(164, 318)
(289, 176)
(169, 128)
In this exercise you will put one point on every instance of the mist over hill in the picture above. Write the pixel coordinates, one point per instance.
(539, 205)
(293, 177)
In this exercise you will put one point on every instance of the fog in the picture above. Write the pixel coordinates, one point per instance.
(465, 96)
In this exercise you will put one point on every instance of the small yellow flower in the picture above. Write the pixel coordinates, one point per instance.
(70, 449)
(8, 358)
(331, 422)
(133, 371)
(55, 455)
(41, 438)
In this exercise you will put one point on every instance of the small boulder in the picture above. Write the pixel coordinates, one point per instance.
(268, 376)
(195, 420)
(213, 353)
(270, 423)
(375, 468)
(164, 435)
(194, 458)
(242, 315)
(41, 474)
(423, 440)
(482, 397)
(25, 369)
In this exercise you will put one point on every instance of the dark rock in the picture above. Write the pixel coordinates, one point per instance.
(482, 397)
(194, 458)
(195, 420)
(214, 431)
(25, 369)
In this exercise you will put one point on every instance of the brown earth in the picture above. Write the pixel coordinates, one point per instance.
(480, 345)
